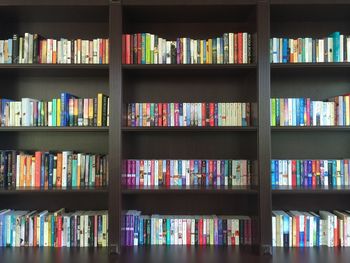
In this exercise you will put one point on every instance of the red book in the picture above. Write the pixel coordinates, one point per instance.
(211, 170)
(240, 48)
(235, 48)
(101, 51)
(59, 232)
(294, 174)
(152, 172)
(167, 175)
(37, 168)
(211, 114)
(313, 173)
(139, 55)
(127, 49)
(336, 233)
(160, 114)
(123, 48)
(131, 48)
(165, 114)
(203, 114)
(95, 230)
(188, 232)
(200, 231)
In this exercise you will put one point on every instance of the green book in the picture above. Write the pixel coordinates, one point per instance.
(273, 112)
(148, 48)
(298, 183)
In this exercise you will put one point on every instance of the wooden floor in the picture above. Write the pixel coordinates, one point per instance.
(172, 254)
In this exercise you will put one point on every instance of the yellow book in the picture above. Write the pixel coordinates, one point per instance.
(210, 51)
(202, 51)
(58, 120)
(91, 112)
(99, 109)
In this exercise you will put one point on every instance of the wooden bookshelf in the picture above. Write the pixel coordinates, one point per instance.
(256, 83)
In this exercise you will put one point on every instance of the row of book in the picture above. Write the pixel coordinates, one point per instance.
(310, 229)
(335, 48)
(34, 49)
(186, 172)
(310, 173)
(138, 230)
(189, 114)
(53, 229)
(47, 169)
(146, 48)
(306, 112)
(68, 110)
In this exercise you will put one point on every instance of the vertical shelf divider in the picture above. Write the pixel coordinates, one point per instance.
(264, 131)
(115, 140)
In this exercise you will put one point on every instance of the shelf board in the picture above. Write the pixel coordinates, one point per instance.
(186, 2)
(189, 190)
(309, 128)
(54, 3)
(34, 190)
(189, 129)
(54, 129)
(187, 66)
(325, 65)
(54, 66)
(288, 190)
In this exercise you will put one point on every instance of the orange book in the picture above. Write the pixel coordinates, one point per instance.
(59, 170)
(21, 170)
(28, 171)
(34, 231)
(37, 169)
(44, 52)
(54, 51)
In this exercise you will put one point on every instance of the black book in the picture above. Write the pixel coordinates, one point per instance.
(173, 52)
(36, 48)
(15, 49)
(104, 110)
(226, 48)
(95, 112)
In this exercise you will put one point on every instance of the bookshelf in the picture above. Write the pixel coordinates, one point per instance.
(255, 82)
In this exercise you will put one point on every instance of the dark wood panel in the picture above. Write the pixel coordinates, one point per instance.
(182, 145)
(190, 86)
(54, 201)
(192, 204)
(317, 84)
(307, 202)
(56, 141)
(186, 3)
(306, 145)
(189, 13)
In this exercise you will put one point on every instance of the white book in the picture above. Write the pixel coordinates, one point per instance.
(2, 57)
(231, 46)
(30, 48)
(341, 49)
(321, 50)
(26, 48)
(49, 113)
(156, 175)
(168, 52)
(49, 51)
(245, 49)
(348, 49)
(64, 167)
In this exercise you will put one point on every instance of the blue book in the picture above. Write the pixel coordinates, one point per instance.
(204, 51)
(9, 60)
(207, 173)
(140, 115)
(195, 171)
(188, 51)
(222, 49)
(216, 116)
(222, 172)
(179, 172)
(285, 50)
(306, 173)
(285, 230)
(181, 114)
(301, 231)
(220, 236)
(65, 108)
(276, 173)
(188, 113)
(336, 46)
(141, 242)
(42, 174)
(273, 174)
(297, 107)
(171, 172)
(334, 173)
(51, 163)
(309, 173)
(302, 111)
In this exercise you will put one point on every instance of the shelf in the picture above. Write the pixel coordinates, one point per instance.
(189, 190)
(305, 66)
(54, 66)
(288, 190)
(309, 128)
(54, 3)
(188, 66)
(188, 129)
(54, 129)
(28, 191)
(187, 2)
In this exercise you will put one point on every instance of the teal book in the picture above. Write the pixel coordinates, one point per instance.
(336, 46)
(74, 171)
(54, 112)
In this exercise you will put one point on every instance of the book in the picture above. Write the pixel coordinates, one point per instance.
(147, 48)
(35, 49)
(142, 230)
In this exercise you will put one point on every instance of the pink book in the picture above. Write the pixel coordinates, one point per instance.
(176, 109)
(148, 114)
(128, 175)
(308, 121)
(133, 172)
(152, 172)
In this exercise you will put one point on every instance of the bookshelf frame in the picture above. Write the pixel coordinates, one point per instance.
(115, 198)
